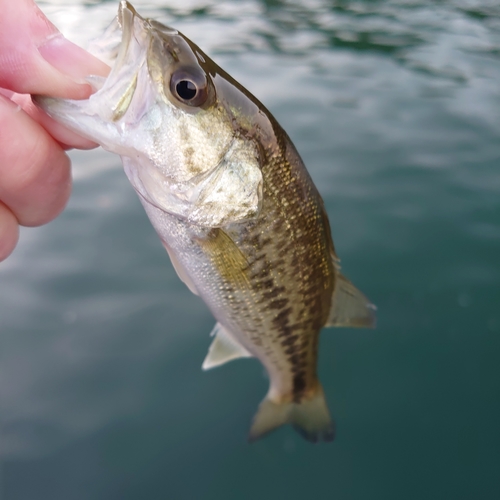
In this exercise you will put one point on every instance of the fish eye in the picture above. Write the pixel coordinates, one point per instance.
(189, 87)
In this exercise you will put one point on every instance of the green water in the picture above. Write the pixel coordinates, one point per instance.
(395, 108)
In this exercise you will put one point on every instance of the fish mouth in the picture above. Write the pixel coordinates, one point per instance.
(125, 17)
(120, 100)
(127, 41)
(127, 21)
(124, 46)
(112, 45)
(130, 58)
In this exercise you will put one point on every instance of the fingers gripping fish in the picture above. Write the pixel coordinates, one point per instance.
(233, 204)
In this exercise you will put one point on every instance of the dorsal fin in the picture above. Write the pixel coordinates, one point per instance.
(224, 348)
(349, 306)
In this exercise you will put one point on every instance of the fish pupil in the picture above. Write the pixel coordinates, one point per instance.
(186, 90)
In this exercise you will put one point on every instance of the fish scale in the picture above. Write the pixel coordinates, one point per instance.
(296, 307)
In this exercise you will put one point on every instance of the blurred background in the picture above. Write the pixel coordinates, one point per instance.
(395, 107)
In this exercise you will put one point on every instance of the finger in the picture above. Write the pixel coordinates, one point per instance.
(35, 178)
(36, 59)
(65, 137)
(9, 232)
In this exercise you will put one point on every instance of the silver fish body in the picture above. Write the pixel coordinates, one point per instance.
(233, 204)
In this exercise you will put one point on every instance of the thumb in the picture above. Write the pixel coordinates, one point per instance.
(36, 59)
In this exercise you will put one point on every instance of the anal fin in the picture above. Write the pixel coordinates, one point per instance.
(349, 306)
(224, 348)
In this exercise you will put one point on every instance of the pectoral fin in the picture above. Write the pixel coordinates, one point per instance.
(224, 348)
(226, 257)
(349, 306)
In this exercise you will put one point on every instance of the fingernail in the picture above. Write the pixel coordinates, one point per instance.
(70, 59)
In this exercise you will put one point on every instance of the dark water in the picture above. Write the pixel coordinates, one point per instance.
(395, 107)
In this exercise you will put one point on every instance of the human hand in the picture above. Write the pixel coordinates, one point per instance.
(35, 177)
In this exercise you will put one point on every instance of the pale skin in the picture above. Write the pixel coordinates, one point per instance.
(35, 173)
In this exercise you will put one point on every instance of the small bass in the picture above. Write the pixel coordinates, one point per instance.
(232, 203)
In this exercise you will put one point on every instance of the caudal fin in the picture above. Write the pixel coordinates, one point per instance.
(310, 418)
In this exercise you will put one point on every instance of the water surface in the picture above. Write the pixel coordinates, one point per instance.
(395, 107)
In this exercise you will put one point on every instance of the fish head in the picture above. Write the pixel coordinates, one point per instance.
(181, 125)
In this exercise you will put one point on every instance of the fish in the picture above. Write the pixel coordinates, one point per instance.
(233, 204)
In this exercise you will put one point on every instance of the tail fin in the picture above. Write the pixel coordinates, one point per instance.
(310, 418)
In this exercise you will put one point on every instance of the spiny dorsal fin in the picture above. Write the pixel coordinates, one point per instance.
(224, 348)
(349, 306)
